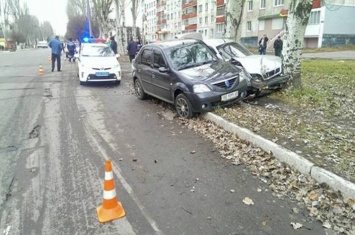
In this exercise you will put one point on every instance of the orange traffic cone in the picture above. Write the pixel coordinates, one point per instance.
(40, 71)
(111, 208)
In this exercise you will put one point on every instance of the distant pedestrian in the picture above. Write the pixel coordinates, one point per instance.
(132, 49)
(263, 44)
(113, 44)
(56, 45)
(278, 46)
(71, 49)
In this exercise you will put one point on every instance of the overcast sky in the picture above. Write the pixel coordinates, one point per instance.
(52, 11)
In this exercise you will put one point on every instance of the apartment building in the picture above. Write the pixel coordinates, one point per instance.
(324, 28)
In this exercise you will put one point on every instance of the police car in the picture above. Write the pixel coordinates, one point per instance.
(97, 62)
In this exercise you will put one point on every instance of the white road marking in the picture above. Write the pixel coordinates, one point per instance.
(94, 121)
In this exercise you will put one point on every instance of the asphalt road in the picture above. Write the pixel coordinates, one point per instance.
(56, 135)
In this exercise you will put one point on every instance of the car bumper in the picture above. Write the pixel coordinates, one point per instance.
(204, 102)
(275, 81)
(114, 75)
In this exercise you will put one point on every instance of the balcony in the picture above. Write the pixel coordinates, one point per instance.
(219, 2)
(317, 3)
(191, 27)
(160, 22)
(163, 3)
(189, 4)
(221, 19)
(188, 16)
(160, 13)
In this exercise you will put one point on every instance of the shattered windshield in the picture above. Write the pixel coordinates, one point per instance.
(233, 49)
(190, 55)
(97, 51)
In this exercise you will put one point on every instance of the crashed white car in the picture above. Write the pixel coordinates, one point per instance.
(265, 70)
(98, 63)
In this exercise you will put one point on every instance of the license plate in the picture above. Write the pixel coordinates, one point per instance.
(229, 96)
(102, 74)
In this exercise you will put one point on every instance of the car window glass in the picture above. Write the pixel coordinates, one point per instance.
(158, 60)
(233, 50)
(190, 55)
(97, 51)
(146, 57)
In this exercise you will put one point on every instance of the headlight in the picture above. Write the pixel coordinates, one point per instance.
(201, 88)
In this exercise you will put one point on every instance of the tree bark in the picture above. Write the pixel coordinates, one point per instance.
(296, 24)
(234, 13)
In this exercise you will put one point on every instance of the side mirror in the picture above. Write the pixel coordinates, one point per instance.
(163, 70)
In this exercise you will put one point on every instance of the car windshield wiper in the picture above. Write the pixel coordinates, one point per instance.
(188, 66)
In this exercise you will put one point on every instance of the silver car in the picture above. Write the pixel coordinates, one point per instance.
(265, 70)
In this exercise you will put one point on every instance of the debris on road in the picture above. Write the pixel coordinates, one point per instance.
(248, 201)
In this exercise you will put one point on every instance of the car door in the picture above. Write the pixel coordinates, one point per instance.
(162, 81)
(144, 68)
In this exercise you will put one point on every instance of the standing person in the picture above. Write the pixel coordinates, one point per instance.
(56, 45)
(71, 49)
(113, 44)
(132, 49)
(263, 44)
(278, 46)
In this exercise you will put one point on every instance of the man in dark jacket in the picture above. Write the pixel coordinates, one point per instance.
(71, 49)
(132, 49)
(57, 48)
(278, 46)
(113, 44)
(263, 44)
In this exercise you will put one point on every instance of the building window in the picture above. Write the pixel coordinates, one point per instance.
(206, 19)
(200, 20)
(248, 25)
(278, 3)
(314, 17)
(250, 5)
(262, 4)
(200, 8)
(221, 10)
(206, 7)
(220, 28)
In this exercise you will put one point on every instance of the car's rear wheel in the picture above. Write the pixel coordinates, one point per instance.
(183, 106)
(139, 90)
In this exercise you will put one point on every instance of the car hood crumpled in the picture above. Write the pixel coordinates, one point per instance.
(99, 62)
(210, 72)
(260, 64)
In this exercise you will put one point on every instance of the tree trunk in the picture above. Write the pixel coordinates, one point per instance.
(234, 13)
(296, 24)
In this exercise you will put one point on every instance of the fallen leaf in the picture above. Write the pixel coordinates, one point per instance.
(296, 225)
(232, 190)
(326, 224)
(193, 152)
(248, 201)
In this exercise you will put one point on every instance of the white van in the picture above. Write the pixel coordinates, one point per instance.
(42, 44)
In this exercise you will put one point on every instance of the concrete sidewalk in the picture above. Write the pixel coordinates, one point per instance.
(336, 55)
(300, 163)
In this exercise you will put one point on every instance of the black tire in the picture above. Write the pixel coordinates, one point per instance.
(183, 106)
(117, 83)
(82, 83)
(139, 89)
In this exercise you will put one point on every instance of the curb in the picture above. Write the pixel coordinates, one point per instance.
(303, 165)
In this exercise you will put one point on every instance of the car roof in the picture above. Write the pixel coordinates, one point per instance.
(173, 43)
(95, 44)
(217, 42)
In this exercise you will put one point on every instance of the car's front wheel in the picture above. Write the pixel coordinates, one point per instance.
(183, 106)
(139, 89)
